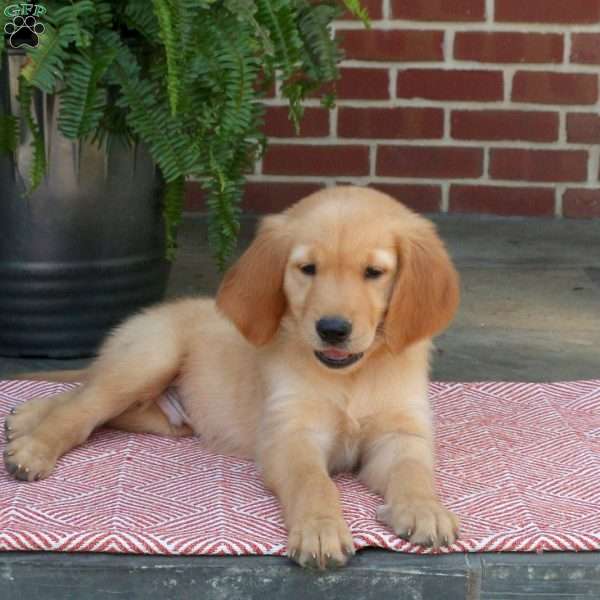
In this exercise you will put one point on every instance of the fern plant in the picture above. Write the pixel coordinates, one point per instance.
(184, 77)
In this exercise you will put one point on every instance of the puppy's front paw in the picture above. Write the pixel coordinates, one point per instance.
(320, 542)
(23, 419)
(29, 459)
(421, 521)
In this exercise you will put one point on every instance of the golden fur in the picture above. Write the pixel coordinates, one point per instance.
(252, 385)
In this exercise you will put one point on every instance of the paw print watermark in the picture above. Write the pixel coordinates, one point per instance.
(24, 29)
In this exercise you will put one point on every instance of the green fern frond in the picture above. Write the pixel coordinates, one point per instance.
(103, 13)
(84, 99)
(9, 133)
(323, 54)
(70, 25)
(356, 9)
(223, 200)
(278, 17)
(75, 22)
(231, 121)
(186, 14)
(38, 164)
(239, 68)
(173, 149)
(172, 210)
(46, 61)
(137, 17)
(113, 125)
(4, 19)
(168, 35)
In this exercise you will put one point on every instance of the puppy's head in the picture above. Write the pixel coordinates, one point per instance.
(351, 269)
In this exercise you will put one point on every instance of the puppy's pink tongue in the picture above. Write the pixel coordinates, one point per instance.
(335, 353)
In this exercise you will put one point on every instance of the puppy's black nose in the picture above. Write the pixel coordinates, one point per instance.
(333, 330)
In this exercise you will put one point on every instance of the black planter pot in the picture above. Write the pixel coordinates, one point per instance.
(86, 249)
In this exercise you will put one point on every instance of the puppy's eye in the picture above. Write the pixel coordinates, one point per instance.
(373, 273)
(309, 269)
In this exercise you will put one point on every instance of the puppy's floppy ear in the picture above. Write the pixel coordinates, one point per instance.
(426, 293)
(251, 293)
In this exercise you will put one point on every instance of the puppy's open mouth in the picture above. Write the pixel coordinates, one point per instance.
(337, 359)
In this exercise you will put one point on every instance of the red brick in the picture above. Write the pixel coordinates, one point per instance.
(548, 11)
(439, 10)
(271, 196)
(296, 159)
(545, 87)
(363, 84)
(374, 8)
(359, 83)
(441, 84)
(419, 161)
(495, 200)
(314, 123)
(408, 45)
(538, 165)
(583, 128)
(422, 198)
(504, 125)
(407, 123)
(495, 47)
(259, 196)
(581, 203)
(585, 48)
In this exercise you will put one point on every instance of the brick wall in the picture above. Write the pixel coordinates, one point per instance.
(485, 106)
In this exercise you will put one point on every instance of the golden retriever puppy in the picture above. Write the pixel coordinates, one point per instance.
(313, 359)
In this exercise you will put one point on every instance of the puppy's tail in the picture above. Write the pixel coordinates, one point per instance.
(67, 376)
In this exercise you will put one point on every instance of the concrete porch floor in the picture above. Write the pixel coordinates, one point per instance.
(530, 312)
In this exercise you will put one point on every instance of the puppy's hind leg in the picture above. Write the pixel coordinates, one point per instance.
(135, 365)
(149, 419)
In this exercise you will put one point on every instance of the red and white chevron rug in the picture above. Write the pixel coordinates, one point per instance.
(519, 463)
